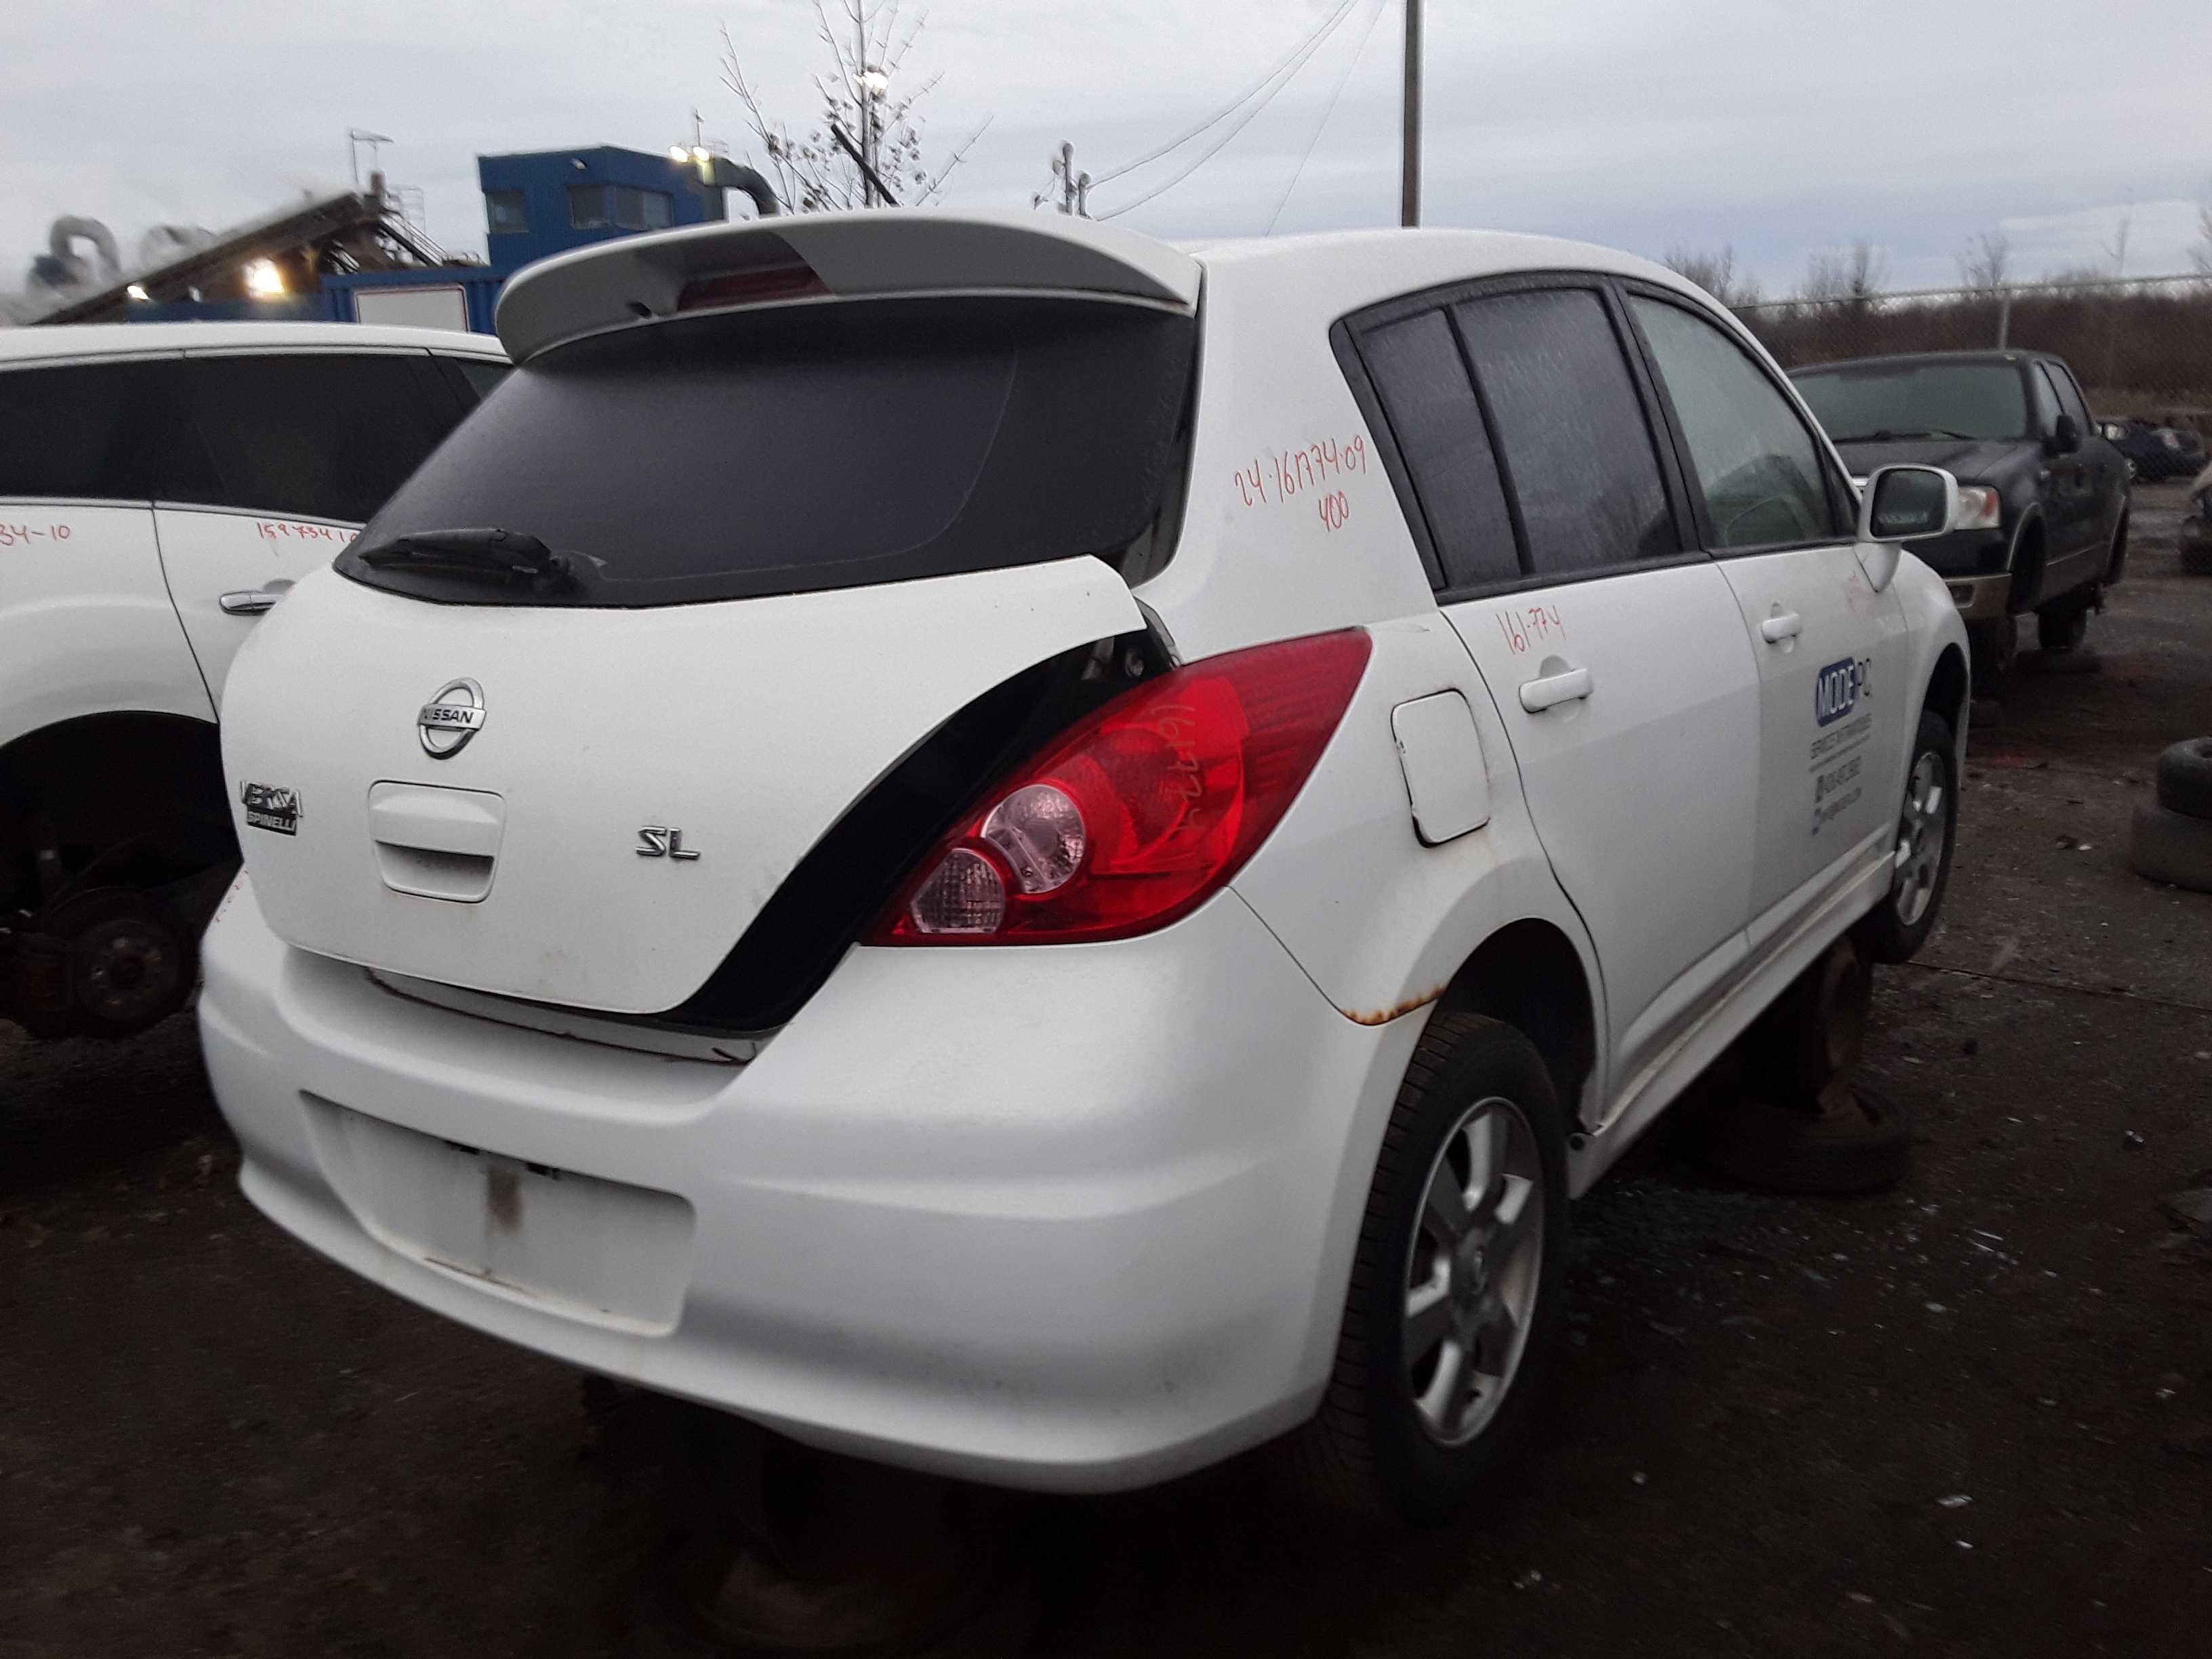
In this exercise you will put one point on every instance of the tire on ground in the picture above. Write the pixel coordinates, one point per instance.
(1885, 935)
(1861, 1142)
(2184, 778)
(2169, 846)
(1367, 1449)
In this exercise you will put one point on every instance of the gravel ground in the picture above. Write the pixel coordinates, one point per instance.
(1971, 1416)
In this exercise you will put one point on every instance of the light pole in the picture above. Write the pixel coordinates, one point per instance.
(1409, 185)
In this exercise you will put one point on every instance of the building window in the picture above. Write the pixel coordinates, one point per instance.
(619, 207)
(507, 212)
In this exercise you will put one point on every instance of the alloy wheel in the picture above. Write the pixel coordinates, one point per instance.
(1474, 1267)
(1920, 840)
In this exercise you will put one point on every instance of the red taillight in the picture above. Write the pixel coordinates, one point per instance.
(1143, 810)
(749, 287)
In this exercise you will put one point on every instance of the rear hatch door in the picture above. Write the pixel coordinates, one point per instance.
(780, 545)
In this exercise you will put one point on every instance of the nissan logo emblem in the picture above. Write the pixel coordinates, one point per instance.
(449, 720)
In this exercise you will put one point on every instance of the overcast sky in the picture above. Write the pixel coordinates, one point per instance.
(1779, 127)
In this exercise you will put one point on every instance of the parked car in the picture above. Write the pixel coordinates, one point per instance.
(161, 486)
(2197, 527)
(1099, 913)
(2154, 453)
(2046, 526)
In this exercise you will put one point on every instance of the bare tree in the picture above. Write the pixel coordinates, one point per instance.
(1985, 263)
(1855, 278)
(1713, 272)
(858, 96)
(2201, 255)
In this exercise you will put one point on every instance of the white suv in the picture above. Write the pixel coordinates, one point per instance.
(160, 485)
(1035, 854)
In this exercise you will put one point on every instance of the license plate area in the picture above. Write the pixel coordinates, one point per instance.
(575, 1244)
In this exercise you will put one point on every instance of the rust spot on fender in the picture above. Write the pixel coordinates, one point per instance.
(1384, 1016)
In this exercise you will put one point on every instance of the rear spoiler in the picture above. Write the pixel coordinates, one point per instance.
(835, 255)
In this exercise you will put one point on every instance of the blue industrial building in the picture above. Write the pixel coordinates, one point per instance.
(536, 203)
(549, 201)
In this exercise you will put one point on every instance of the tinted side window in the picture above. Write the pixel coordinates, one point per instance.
(1425, 395)
(1568, 424)
(318, 435)
(2046, 400)
(101, 431)
(479, 375)
(2069, 395)
(1756, 464)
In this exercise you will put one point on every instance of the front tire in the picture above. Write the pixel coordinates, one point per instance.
(1992, 646)
(1456, 1299)
(1927, 827)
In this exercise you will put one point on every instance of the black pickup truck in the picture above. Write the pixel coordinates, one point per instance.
(2044, 494)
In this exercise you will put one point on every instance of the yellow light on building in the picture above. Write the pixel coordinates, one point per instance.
(263, 281)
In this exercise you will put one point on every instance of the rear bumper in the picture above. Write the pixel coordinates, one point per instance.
(1066, 1219)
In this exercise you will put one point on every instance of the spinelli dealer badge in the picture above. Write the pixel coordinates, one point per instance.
(270, 807)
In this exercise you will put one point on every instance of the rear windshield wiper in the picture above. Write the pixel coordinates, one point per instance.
(490, 554)
(1885, 436)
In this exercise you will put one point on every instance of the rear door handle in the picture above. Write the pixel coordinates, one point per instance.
(249, 602)
(1537, 696)
(1787, 626)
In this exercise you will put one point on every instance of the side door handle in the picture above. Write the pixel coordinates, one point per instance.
(1786, 626)
(249, 602)
(1537, 696)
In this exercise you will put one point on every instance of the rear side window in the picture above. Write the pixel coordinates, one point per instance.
(1571, 428)
(1757, 465)
(97, 431)
(798, 448)
(1431, 405)
(318, 435)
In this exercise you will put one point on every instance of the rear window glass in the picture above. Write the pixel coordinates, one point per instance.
(1881, 401)
(795, 449)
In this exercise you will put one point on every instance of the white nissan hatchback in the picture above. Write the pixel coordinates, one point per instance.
(1034, 854)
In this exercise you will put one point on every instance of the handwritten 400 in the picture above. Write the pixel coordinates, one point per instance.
(1281, 476)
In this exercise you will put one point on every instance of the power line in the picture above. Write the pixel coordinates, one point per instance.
(1358, 51)
(1230, 108)
(1288, 73)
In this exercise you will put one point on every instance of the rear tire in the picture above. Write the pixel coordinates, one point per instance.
(1927, 832)
(1455, 1303)
(2063, 624)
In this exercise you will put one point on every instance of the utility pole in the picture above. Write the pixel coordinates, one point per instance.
(1409, 188)
(1074, 187)
(861, 84)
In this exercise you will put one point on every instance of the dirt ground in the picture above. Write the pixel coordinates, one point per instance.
(1971, 1416)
